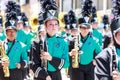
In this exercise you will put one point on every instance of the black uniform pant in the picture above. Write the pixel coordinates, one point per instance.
(84, 72)
(55, 75)
(1, 74)
(25, 72)
(15, 74)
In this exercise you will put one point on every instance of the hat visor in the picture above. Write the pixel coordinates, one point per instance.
(51, 18)
(74, 29)
(19, 21)
(9, 28)
(84, 26)
(118, 30)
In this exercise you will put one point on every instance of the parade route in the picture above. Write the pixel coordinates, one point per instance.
(64, 77)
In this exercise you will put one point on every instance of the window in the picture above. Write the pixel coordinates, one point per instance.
(67, 5)
(109, 4)
(78, 4)
(100, 4)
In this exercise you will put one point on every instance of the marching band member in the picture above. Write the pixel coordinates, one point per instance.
(56, 55)
(88, 48)
(107, 35)
(95, 32)
(50, 54)
(16, 51)
(107, 62)
(111, 69)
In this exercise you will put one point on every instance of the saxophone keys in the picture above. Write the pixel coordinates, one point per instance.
(80, 52)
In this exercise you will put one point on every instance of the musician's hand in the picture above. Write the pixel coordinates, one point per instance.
(31, 72)
(94, 62)
(116, 75)
(73, 52)
(48, 78)
(5, 63)
(18, 65)
(46, 56)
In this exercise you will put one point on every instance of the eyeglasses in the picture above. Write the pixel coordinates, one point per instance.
(84, 28)
(52, 25)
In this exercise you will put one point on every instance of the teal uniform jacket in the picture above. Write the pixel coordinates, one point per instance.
(30, 36)
(62, 33)
(118, 57)
(17, 54)
(89, 48)
(98, 35)
(58, 48)
(2, 36)
(65, 35)
(22, 36)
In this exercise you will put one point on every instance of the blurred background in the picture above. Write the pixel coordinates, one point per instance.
(32, 8)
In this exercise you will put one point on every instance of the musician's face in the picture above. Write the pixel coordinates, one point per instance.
(68, 31)
(84, 31)
(52, 27)
(19, 26)
(117, 37)
(11, 34)
(74, 32)
(41, 33)
(94, 25)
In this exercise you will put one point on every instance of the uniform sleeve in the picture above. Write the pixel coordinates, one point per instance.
(100, 39)
(98, 48)
(102, 68)
(62, 62)
(28, 41)
(24, 58)
(30, 36)
(66, 56)
(39, 72)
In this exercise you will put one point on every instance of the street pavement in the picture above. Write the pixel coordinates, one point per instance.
(63, 72)
(64, 77)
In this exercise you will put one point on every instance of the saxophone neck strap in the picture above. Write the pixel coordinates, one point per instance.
(10, 47)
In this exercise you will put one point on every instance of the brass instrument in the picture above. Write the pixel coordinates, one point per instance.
(34, 22)
(3, 58)
(75, 58)
(43, 49)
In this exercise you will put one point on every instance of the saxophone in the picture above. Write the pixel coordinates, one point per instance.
(4, 57)
(43, 49)
(75, 58)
